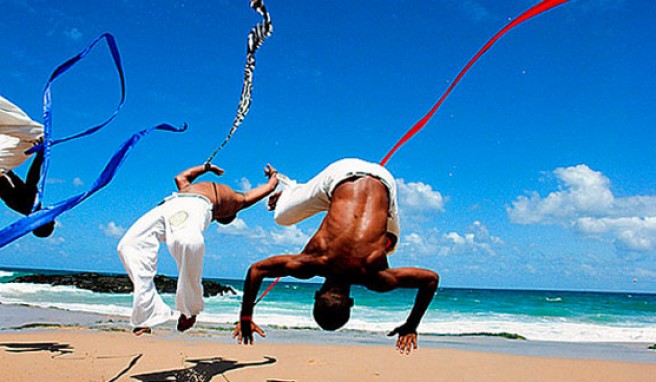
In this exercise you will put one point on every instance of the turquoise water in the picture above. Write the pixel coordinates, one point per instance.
(537, 315)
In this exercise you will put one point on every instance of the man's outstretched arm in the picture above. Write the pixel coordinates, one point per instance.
(19, 195)
(426, 282)
(276, 266)
(255, 195)
(186, 177)
(34, 173)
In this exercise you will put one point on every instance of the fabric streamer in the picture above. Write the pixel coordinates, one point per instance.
(267, 290)
(543, 6)
(50, 213)
(255, 39)
(48, 141)
(536, 10)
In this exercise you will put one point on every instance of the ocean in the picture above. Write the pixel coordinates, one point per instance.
(536, 315)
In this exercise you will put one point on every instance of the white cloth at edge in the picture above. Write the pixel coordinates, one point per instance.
(300, 201)
(18, 133)
(179, 221)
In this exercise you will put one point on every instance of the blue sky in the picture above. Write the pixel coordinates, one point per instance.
(537, 172)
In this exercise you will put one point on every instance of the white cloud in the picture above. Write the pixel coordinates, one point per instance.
(112, 230)
(420, 244)
(77, 182)
(237, 227)
(586, 192)
(477, 240)
(245, 184)
(73, 33)
(474, 9)
(631, 233)
(585, 202)
(417, 196)
(285, 236)
(289, 236)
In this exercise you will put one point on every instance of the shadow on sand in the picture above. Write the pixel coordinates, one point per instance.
(202, 371)
(52, 347)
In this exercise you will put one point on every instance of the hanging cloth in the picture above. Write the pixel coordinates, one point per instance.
(48, 141)
(255, 39)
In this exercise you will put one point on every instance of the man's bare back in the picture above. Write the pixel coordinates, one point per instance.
(350, 247)
(352, 236)
(225, 200)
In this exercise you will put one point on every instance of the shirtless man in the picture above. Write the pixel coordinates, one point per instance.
(180, 221)
(351, 247)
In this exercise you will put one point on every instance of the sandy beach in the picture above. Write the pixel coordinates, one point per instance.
(55, 345)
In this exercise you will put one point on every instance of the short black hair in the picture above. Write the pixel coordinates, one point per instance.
(45, 230)
(227, 220)
(331, 310)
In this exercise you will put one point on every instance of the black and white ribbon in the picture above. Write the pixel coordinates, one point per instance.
(255, 39)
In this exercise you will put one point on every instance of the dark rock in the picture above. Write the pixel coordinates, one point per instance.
(103, 283)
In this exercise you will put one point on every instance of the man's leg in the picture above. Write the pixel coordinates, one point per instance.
(300, 201)
(188, 249)
(15, 193)
(138, 252)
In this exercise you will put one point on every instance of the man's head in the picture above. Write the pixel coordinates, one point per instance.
(332, 308)
(45, 230)
(226, 220)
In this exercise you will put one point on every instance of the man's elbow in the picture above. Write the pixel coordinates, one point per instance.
(432, 280)
(255, 271)
(180, 181)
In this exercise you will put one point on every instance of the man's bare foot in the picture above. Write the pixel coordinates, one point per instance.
(142, 330)
(185, 322)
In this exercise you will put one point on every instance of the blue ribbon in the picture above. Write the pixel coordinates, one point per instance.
(48, 141)
(50, 213)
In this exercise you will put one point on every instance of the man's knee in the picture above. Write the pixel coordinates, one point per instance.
(189, 243)
(125, 247)
(284, 219)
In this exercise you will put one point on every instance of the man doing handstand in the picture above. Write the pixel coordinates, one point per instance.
(350, 247)
(180, 221)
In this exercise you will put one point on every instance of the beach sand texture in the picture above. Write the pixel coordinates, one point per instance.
(82, 354)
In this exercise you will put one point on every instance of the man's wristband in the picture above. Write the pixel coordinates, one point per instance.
(246, 318)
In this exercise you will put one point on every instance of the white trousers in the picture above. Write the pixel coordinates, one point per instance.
(300, 201)
(179, 221)
(18, 133)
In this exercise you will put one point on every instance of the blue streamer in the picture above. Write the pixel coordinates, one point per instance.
(50, 213)
(48, 141)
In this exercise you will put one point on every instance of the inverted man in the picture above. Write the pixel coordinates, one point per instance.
(351, 246)
(18, 133)
(180, 221)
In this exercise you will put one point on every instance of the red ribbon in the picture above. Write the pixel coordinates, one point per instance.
(543, 6)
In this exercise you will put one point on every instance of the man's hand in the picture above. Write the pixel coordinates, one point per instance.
(407, 340)
(244, 331)
(271, 173)
(208, 167)
(273, 201)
